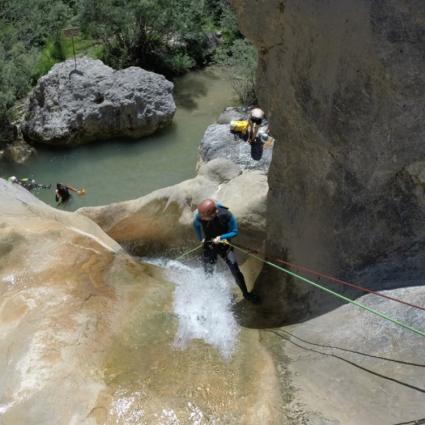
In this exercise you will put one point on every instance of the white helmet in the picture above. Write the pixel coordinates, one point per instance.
(257, 113)
(13, 179)
(256, 116)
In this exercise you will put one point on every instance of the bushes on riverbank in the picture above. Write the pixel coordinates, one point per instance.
(166, 36)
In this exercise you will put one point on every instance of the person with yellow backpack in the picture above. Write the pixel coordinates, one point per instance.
(250, 131)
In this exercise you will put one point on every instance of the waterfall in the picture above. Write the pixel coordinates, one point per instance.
(203, 306)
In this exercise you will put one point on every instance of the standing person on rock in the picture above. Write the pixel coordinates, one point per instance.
(214, 224)
(254, 132)
(256, 137)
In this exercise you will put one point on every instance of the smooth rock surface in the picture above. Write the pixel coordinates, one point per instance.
(350, 367)
(88, 334)
(163, 219)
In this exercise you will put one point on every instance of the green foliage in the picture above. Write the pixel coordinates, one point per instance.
(52, 53)
(166, 36)
(240, 61)
(34, 21)
(25, 27)
(60, 49)
(15, 70)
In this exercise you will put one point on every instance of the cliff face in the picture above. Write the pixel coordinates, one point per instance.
(343, 85)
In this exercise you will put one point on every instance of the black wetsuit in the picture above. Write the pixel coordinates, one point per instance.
(62, 194)
(257, 143)
(223, 223)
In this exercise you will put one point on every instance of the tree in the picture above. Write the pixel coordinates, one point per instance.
(168, 36)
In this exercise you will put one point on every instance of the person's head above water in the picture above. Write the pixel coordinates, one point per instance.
(13, 179)
(207, 209)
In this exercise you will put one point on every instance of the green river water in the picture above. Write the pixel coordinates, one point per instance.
(126, 169)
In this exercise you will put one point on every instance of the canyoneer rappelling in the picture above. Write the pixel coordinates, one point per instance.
(214, 224)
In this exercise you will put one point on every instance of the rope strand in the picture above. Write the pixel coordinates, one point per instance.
(361, 288)
(188, 252)
(336, 294)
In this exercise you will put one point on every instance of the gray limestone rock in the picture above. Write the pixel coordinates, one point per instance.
(96, 103)
(373, 368)
(219, 142)
(232, 113)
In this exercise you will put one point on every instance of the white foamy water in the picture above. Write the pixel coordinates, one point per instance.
(127, 409)
(202, 305)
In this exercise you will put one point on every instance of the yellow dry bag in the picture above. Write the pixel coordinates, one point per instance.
(239, 127)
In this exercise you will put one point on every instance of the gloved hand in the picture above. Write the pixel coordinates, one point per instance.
(216, 239)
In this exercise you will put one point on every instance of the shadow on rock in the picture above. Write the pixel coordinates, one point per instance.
(256, 316)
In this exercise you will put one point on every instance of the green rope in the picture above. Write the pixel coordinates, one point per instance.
(365, 307)
(188, 252)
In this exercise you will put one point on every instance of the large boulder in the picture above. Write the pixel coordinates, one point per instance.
(219, 142)
(96, 102)
(163, 219)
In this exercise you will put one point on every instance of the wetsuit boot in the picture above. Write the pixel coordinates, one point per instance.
(239, 277)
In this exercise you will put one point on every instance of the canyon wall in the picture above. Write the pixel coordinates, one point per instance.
(342, 84)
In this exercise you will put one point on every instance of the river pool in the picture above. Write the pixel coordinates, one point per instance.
(119, 170)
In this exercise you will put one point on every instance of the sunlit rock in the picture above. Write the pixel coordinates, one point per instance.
(96, 102)
(352, 367)
(163, 219)
(90, 336)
